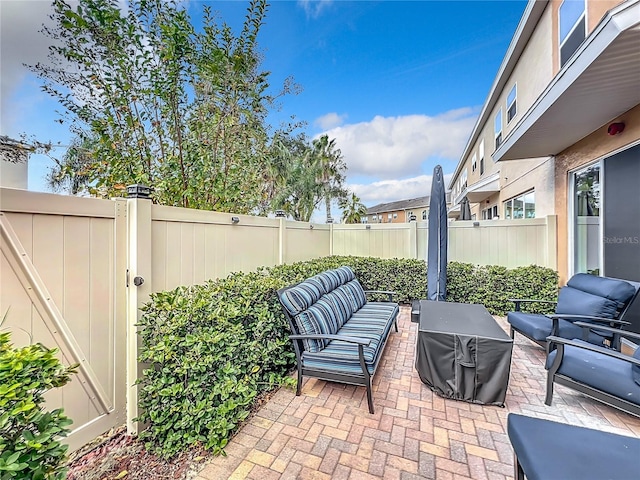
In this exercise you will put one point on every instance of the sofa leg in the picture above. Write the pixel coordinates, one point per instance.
(299, 386)
(370, 397)
(512, 332)
(518, 473)
(395, 322)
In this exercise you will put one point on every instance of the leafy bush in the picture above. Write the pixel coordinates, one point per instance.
(30, 436)
(212, 349)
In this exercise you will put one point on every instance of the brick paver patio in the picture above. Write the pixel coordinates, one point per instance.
(328, 433)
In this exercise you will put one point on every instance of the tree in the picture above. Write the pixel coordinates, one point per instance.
(163, 105)
(352, 209)
(330, 168)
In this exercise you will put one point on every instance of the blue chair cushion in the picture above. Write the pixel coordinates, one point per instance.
(635, 369)
(550, 450)
(538, 327)
(577, 302)
(616, 290)
(372, 322)
(330, 280)
(599, 371)
(319, 318)
(341, 305)
(346, 274)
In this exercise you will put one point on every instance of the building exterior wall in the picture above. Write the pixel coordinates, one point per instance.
(14, 175)
(401, 216)
(531, 174)
(594, 147)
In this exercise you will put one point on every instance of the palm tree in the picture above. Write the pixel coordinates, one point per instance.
(330, 169)
(352, 209)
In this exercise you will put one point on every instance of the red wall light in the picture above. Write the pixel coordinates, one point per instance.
(615, 128)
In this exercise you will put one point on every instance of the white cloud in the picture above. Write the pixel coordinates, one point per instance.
(393, 190)
(313, 8)
(330, 120)
(393, 147)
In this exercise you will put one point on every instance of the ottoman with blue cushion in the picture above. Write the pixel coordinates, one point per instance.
(546, 450)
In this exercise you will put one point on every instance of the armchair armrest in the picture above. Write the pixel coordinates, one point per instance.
(593, 348)
(343, 338)
(518, 301)
(617, 331)
(381, 292)
(588, 317)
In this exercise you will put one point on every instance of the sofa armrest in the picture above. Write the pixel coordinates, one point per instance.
(343, 338)
(381, 292)
(518, 301)
(593, 348)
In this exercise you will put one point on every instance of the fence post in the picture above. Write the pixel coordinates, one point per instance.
(331, 239)
(138, 284)
(552, 242)
(282, 232)
(413, 239)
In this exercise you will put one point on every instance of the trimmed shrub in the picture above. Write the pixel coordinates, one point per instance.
(212, 349)
(30, 435)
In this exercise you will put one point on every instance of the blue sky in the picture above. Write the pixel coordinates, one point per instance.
(398, 84)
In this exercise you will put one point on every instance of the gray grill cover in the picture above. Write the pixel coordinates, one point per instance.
(462, 353)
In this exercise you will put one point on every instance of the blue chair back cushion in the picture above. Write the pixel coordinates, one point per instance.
(346, 274)
(357, 295)
(538, 327)
(635, 369)
(613, 289)
(577, 302)
(319, 318)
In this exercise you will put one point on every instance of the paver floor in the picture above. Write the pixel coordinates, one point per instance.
(328, 433)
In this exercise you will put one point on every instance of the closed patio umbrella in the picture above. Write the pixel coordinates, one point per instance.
(465, 209)
(437, 241)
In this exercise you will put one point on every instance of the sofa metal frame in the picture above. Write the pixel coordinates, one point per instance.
(363, 379)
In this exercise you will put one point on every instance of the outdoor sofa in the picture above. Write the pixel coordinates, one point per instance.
(337, 334)
(547, 450)
(585, 298)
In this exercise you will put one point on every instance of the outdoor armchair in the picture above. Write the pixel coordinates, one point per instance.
(587, 298)
(604, 374)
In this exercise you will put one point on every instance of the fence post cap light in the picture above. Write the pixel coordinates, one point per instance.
(138, 191)
(368, 227)
(235, 219)
(311, 226)
(329, 220)
(412, 218)
(280, 214)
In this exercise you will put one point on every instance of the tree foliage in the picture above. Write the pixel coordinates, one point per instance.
(352, 208)
(153, 101)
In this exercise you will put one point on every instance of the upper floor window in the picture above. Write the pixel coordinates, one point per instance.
(424, 214)
(481, 155)
(498, 128)
(572, 27)
(522, 206)
(512, 107)
(474, 162)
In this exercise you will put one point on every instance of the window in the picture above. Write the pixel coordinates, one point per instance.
(395, 215)
(481, 155)
(512, 107)
(572, 28)
(490, 213)
(522, 206)
(364, 219)
(498, 128)
(474, 162)
(587, 200)
(424, 214)
(388, 216)
(374, 218)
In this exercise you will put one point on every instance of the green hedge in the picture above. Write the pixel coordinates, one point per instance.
(212, 349)
(30, 435)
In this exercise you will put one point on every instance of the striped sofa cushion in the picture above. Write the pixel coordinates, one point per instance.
(320, 318)
(302, 296)
(357, 295)
(373, 323)
(341, 305)
(330, 280)
(346, 274)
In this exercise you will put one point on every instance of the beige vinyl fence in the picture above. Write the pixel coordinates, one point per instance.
(75, 272)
